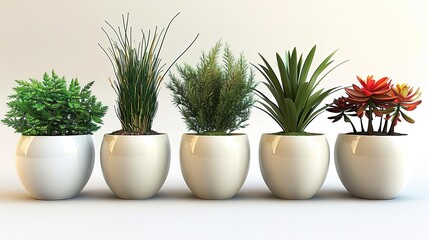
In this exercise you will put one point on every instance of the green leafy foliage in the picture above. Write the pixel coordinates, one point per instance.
(139, 73)
(51, 108)
(214, 99)
(296, 98)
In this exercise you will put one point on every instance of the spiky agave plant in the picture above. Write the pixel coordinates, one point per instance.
(296, 98)
(139, 73)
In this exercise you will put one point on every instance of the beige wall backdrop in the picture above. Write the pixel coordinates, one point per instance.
(383, 38)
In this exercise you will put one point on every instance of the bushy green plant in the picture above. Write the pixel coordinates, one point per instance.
(214, 99)
(296, 98)
(139, 73)
(51, 108)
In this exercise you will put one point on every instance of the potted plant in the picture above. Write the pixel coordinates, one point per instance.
(55, 153)
(215, 101)
(135, 160)
(293, 162)
(374, 163)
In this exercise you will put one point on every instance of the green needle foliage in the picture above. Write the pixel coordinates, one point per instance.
(296, 98)
(214, 99)
(50, 108)
(139, 73)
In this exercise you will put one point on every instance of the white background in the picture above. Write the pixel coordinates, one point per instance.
(384, 38)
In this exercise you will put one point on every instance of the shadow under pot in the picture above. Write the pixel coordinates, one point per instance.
(54, 167)
(214, 167)
(135, 166)
(373, 167)
(294, 167)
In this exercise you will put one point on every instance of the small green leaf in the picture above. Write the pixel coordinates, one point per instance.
(407, 118)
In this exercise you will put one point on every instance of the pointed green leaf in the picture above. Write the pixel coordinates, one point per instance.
(330, 70)
(307, 64)
(291, 114)
(407, 118)
(287, 89)
(301, 97)
(293, 78)
(273, 106)
(325, 63)
(272, 78)
(299, 69)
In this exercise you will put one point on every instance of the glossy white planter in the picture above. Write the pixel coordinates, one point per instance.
(54, 167)
(214, 167)
(373, 167)
(293, 167)
(135, 167)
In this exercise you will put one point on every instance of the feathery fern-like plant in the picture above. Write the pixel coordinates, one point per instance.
(51, 108)
(296, 98)
(213, 98)
(139, 73)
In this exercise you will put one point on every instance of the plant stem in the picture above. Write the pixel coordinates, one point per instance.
(353, 126)
(370, 129)
(381, 123)
(385, 126)
(394, 119)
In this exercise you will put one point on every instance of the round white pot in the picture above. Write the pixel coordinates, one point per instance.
(294, 167)
(373, 167)
(54, 167)
(135, 166)
(214, 167)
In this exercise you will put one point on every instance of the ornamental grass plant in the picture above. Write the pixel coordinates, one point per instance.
(139, 72)
(214, 98)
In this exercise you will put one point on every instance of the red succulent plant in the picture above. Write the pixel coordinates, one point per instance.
(377, 98)
(343, 108)
(370, 89)
(372, 96)
(405, 99)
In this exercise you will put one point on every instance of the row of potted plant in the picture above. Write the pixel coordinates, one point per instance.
(55, 154)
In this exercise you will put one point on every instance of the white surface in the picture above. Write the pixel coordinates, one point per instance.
(383, 37)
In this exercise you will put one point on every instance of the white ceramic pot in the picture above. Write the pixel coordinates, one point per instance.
(294, 167)
(373, 167)
(135, 166)
(54, 167)
(214, 167)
